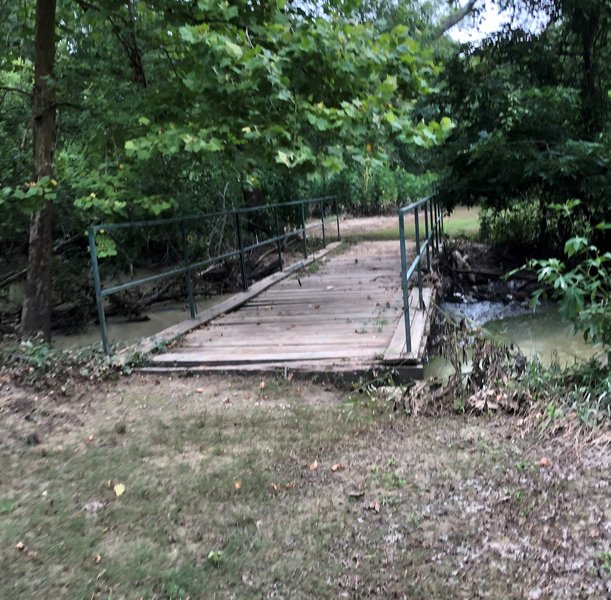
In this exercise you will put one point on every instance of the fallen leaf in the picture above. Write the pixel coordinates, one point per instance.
(275, 487)
(289, 486)
(119, 489)
(262, 385)
(90, 439)
(356, 494)
(544, 462)
(338, 467)
(200, 390)
(97, 558)
(373, 505)
(226, 400)
(237, 484)
(313, 466)
(20, 546)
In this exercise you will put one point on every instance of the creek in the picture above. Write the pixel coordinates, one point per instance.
(541, 334)
(158, 317)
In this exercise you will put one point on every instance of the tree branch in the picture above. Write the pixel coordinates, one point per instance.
(8, 88)
(454, 19)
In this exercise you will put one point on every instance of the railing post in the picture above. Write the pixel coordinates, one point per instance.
(427, 238)
(404, 284)
(97, 284)
(241, 248)
(303, 229)
(278, 241)
(336, 217)
(185, 257)
(322, 220)
(417, 228)
(436, 213)
(432, 227)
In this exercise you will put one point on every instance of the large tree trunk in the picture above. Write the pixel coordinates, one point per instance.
(36, 313)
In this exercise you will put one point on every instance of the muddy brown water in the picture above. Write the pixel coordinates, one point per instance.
(541, 334)
(159, 317)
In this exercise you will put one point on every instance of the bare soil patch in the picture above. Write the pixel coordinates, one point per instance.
(249, 488)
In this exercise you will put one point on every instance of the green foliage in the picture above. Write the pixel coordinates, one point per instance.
(581, 284)
(532, 116)
(171, 108)
(365, 191)
(582, 389)
(515, 226)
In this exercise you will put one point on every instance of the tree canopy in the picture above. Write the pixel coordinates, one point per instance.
(532, 108)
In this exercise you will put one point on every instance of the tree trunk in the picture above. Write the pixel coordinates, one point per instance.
(36, 313)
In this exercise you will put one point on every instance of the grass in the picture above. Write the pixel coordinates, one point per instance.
(210, 497)
(288, 489)
(463, 222)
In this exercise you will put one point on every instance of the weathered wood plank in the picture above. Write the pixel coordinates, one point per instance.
(396, 350)
(344, 316)
(170, 334)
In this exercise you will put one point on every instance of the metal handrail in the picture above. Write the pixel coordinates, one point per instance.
(188, 267)
(433, 222)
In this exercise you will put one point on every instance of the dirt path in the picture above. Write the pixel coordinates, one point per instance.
(242, 488)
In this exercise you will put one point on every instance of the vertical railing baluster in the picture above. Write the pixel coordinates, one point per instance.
(336, 216)
(417, 228)
(241, 248)
(404, 283)
(97, 284)
(322, 221)
(278, 240)
(185, 258)
(426, 235)
(436, 213)
(303, 229)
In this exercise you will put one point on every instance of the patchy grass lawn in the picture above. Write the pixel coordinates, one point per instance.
(463, 222)
(235, 489)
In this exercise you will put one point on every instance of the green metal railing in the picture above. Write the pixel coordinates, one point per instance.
(300, 208)
(433, 230)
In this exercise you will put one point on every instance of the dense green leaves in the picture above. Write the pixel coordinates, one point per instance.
(533, 113)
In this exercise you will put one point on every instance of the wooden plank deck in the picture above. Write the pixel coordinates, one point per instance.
(341, 313)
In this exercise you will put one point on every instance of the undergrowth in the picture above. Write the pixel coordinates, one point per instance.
(39, 365)
(490, 376)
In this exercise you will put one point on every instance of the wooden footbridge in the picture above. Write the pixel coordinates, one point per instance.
(347, 309)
